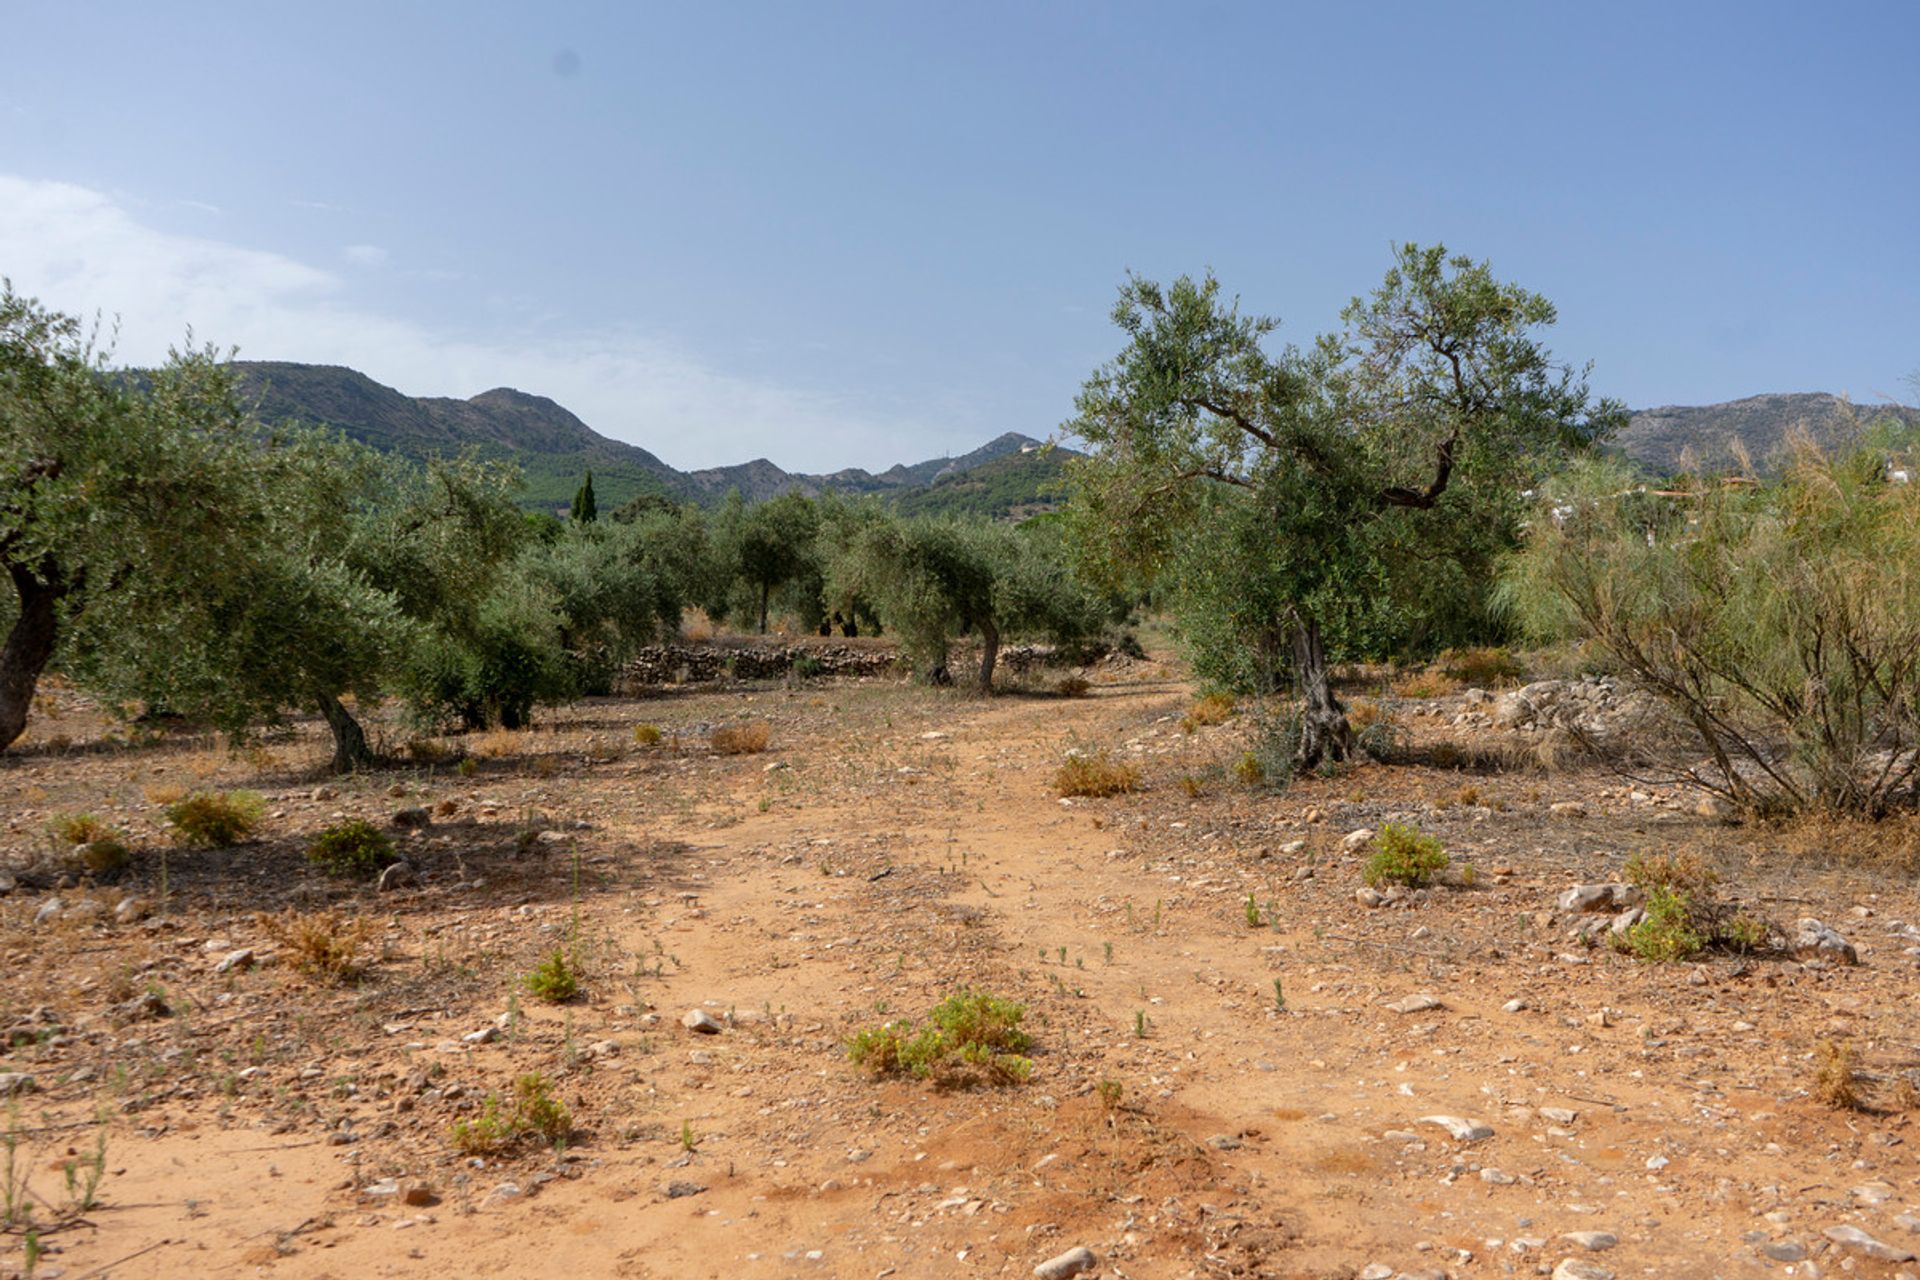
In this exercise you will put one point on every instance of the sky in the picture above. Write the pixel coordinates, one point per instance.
(852, 235)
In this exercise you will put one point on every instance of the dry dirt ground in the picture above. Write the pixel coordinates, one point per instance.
(890, 846)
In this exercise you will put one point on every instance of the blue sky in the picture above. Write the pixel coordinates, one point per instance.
(856, 234)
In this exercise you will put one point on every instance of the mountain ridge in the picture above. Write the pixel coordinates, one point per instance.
(1011, 474)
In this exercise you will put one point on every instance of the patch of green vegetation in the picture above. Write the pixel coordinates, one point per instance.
(530, 1112)
(553, 979)
(216, 819)
(352, 848)
(973, 1037)
(1403, 855)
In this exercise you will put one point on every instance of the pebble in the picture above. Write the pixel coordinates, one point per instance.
(239, 959)
(1354, 841)
(699, 1020)
(1785, 1251)
(485, 1035)
(1071, 1263)
(680, 1190)
(1514, 1006)
(1415, 1004)
(1376, 1271)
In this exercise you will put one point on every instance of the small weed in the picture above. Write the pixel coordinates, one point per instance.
(688, 1142)
(1215, 708)
(647, 735)
(467, 767)
(1191, 788)
(1486, 667)
(1402, 855)
(1096, 775)
(216, 819)
(1140, 1024)
(1667, 933)
(1251, 909)
(1250, 770)
(553, 979)
(1279, 997)
(430, 751)
(1109, 1092)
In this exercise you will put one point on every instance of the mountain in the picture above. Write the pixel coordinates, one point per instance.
(1714, 436)
(554, 448)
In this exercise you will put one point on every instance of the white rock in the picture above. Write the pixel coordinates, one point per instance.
(1854, 1239)
(1415, 1004)
(1463, 1130)
(1813, 940)
(701, 1021)
(1356, 840)
(1592, 1241)
(239, 959)
(1071, 1263)
(1580, 1269)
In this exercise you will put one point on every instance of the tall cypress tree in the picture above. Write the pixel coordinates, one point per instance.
(584, 511)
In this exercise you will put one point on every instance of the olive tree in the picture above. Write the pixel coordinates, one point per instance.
(935, 579)
(118, 496)
(1344, 480)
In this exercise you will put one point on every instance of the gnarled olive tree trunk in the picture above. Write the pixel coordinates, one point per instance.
(30, 644)
(989, 653)
(350, 750)
(1324, 731)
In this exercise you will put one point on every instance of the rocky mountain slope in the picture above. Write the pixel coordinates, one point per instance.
(1674, 437)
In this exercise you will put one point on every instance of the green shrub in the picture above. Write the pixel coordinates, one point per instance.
(973, 1037)
(352, 848)
(1481, 666)
(104, 856)
(647, 735)
(1402, 855)
(1668, 931)
(79, 828)
(215, 819)
(553, 979)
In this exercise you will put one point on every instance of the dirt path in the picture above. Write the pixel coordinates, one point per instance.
(1271, 1107)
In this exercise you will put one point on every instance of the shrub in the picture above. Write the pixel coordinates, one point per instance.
(1249, 769)
(1214, 708)
(740, 739)
(79, 828)
(553, 979)
(1423, 684)
(647, 735)
(1668, 932)
(973, 1037)
(531, 1110)
(105, 856)
(1781, 621)
(1683, 915)
(1073, 687)
(214, 819)
(1484, 666)
(1833, 1080)
(1402, 855)
(352, 848)
(321, 944)
(430, 751)
(1096, 775)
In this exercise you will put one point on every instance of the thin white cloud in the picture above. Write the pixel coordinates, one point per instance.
(81, 251)
(365, 255)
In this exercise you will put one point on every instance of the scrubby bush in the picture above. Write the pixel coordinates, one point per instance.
(1403, 855)
(1214, 708)
(1683, 916)
(647, 735)
(352, 848)
(1095, 775)
(1481, 665)
(216, 820)
(1780, 620)
(746, 739)
(78, 828)
(324, 945)
(105, 856)
(530, 1111)
(973, 1037)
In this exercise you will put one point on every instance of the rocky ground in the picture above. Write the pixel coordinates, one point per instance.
(1247, 1063)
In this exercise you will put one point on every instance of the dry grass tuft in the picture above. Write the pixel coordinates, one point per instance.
(1423, 684)
(1215, 708)
(323, 945)
(1833, 1078)
(746, 739)
(1096, 775)
(1483, 666)
(496, 744)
